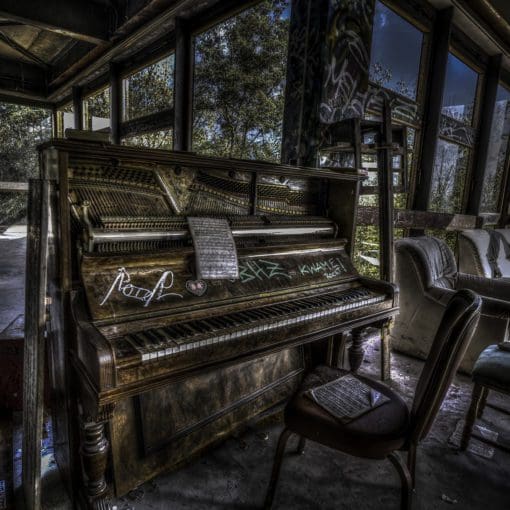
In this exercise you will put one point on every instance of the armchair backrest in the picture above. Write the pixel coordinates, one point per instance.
(427, 259)
(452, 339)
(485, 252)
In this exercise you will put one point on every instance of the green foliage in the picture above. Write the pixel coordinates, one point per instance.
(21, 130)
(150, 89)
(155, 140)
(96, 109)
(450, 172)
(240, 68)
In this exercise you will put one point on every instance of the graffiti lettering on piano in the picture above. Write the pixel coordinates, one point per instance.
(122, 284)
(261, 270)
(329, 268)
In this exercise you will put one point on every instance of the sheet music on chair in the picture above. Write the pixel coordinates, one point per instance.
(346, 398)
(215, 249)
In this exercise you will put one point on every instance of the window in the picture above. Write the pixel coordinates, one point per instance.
(454, 147)
(96, 111)
(149, 90)
(450, 169)
(240, 68)
(396, 52)
(459, 91)
(22, 129)
(498, 148)
(65, 119)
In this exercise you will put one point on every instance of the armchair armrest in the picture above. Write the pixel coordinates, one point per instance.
(495, 293)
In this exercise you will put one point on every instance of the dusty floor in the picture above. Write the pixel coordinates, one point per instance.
(234, 475)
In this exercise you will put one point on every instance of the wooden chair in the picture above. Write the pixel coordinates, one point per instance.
(391, 427)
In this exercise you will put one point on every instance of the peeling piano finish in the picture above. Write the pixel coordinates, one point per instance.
(165, 361)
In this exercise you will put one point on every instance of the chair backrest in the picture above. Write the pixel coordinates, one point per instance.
(432, 261)
(450, 343)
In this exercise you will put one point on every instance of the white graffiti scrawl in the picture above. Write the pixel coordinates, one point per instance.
(122, 284)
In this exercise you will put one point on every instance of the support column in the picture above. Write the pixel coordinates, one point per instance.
(115, 103)
(482, 152)
(301, 129)
(432, 114)
(183, 91)
(78, 107)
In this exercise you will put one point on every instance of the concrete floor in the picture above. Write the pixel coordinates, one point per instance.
(234, 475)
(12, 276)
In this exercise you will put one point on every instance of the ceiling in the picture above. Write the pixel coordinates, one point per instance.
(47, 47)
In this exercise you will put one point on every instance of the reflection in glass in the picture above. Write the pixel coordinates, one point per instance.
(396, 51)
(498, 147)
(96, 111)
(459, 90)
(154, 140)
(240, 69)
(149, 90)
(450, 166)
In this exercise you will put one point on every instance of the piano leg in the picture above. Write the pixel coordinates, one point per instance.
(94, 453)
(356, 351)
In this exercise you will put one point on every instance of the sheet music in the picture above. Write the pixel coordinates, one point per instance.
(347, 397)
(215, 249)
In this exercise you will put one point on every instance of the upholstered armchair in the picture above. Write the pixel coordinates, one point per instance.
(427, 275)
(485, 253)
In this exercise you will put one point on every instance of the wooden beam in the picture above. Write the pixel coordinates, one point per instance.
(183, 88)
(432, 114)
(421, 220)
(87, 21)
(482, 148)
(115, 103)
(78, 107)
(385, 177)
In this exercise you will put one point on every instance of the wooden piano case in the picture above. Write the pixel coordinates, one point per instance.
(115, 205)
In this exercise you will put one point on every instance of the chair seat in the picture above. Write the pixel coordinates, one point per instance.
(373, 435)
(493, 368)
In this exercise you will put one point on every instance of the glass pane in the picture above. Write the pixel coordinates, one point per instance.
(498, 146)
(366, 244)
(156, 140)
(450, 166)
(149, 90)
(96, 111)
(22, 129)
(240, 68)
(396, 52)
(65, 119)
(459, 90)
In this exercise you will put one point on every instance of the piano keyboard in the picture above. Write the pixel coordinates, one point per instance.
(157, 343)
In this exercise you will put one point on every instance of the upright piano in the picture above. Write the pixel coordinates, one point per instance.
(150, 361)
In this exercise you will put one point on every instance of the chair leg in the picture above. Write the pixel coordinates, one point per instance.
(405, 480)
(483, 401)
(471, 416)
(411, 463)
(385, 352)
(282, 441)
(301, 445)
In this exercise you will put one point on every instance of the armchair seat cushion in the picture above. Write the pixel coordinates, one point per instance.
(373, 435)
(493, 368)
